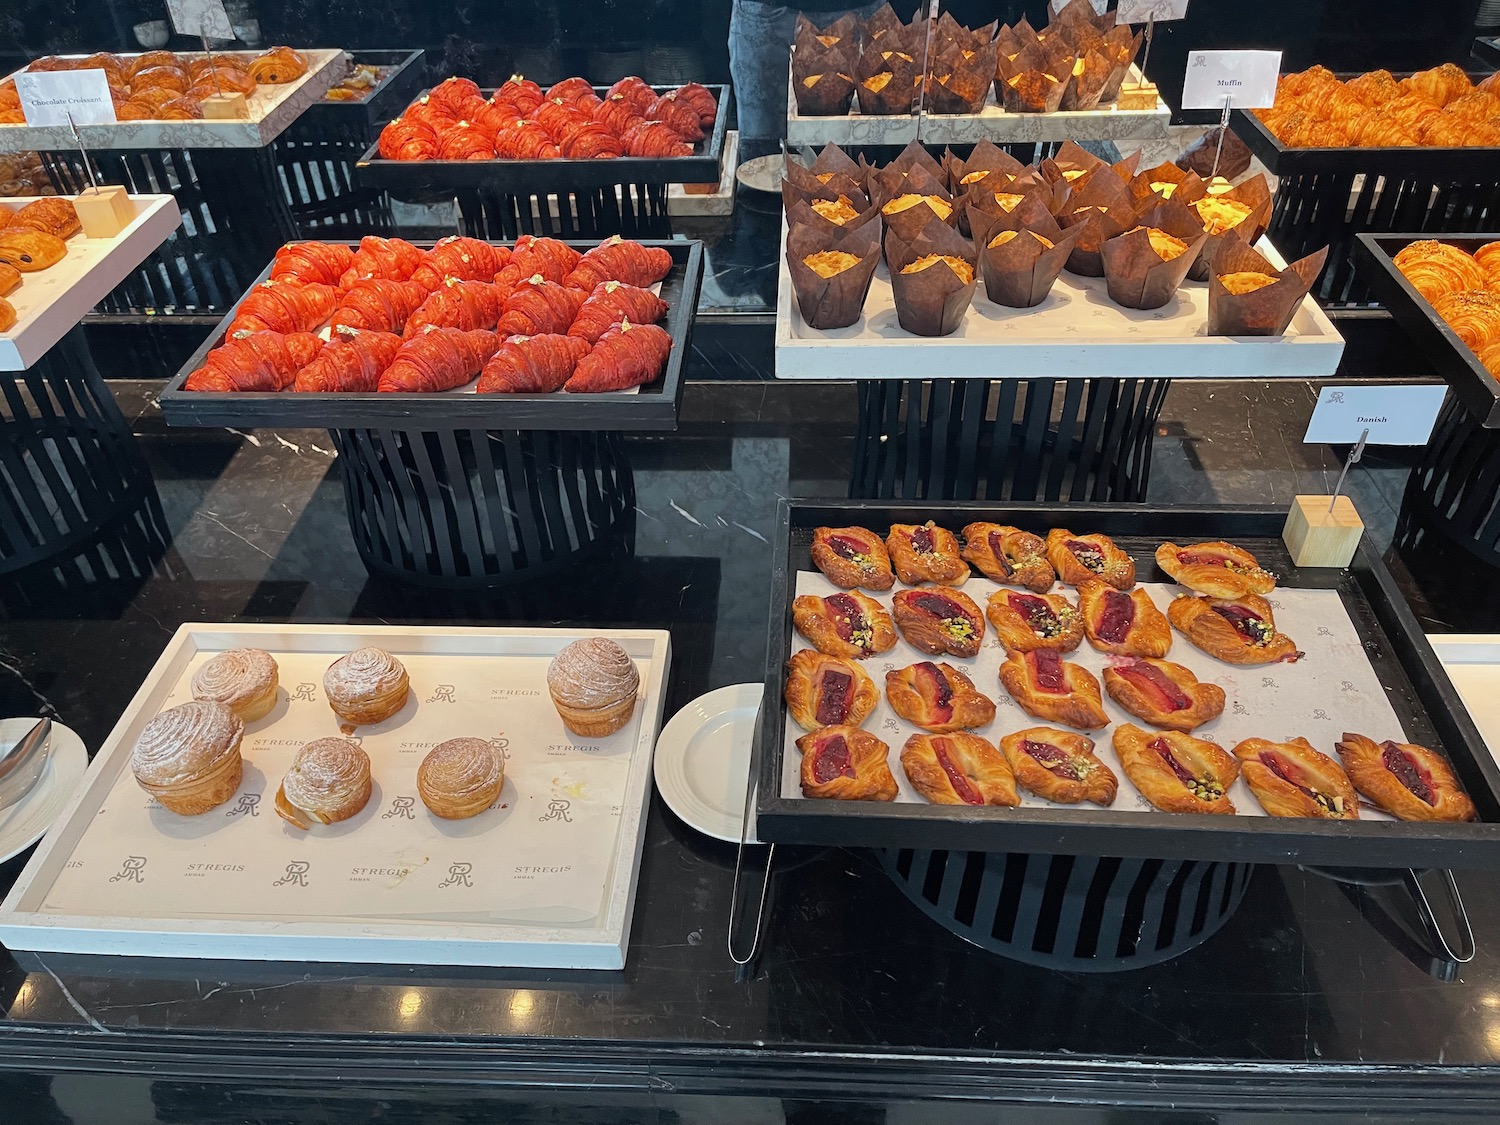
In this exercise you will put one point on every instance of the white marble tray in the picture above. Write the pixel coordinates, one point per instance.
(545, 877)
(272, 110)
(1076, 333)
(720, 202)
(1472, 661)
(50, 302)
(992, 123)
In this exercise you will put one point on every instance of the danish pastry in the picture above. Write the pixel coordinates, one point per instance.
(937, 698)
(30, 250)
(1121, 623)
(939, 622)
(926, 554)
(1049, 688)
(1234, 630)
(827, 691)
(188, 757)
(243, 679)
(1025, 622)
(1220, 570)
(847, 764)
(1163, 694)
(368, 685)
(1176, 772)
(1009, 555)
(851, 625)
(1406, 780)
(1060, 766)
(959, 769)
(328, 781)
(1294, 779)
(594, 686)
(852, 557)
(461, 778)
(1080, 557)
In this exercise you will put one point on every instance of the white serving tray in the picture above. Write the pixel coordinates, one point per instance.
(272, 109)
(1107, 123)
(1077, 332)
(50, 302)
(719, 202)
(546, 877)
(1472, 661)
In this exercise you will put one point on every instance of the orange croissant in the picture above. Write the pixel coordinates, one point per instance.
(701, 99)
(617, 114)
(557, 116)
(635, 91)
(405, 139)
(392, 258)
(653, 139)
(438, 360)
(532, 364)
(465, 259)
(521, 93)
(351, 361)
(457, 304)
(458, 94)
(465, 141)
(524, 139)
(284, 306)
(546, 257)
(618, 259)
(259, 361)
(571, 89)
(320, 262)
(628, 355)
(591, 141)
(614, 301)
(680, 117)
(378, 305)
(537, 306)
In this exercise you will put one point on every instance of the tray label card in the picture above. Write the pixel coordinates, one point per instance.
(1141, 11)
(200, 18)
(1055, 6)
(1394, 415)
(49, 97)
(1246, 78)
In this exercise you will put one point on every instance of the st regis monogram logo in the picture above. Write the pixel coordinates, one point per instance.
(296, 874)
(249, 805)
(443, 693)
(401, 808)
(130, 870)
(305, 693)
(458, 876)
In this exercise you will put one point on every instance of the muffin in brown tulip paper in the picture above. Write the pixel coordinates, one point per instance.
(933, 279)
(1123, 47)
(1103, 206)
(1167, 181)
(833, 216)
(987, 158)
(1126, 167)
(961, 77)
(1244, 211)
(842, 32)
(921, 198)
(1071, 162)
(1091, 70)
(798, 182)
(914, 155)
(831, 272)
(1248, 296)
(886, 78)
(1005, 210)
(882, 20)
(1019, 267)
(1034, 88)
(832, 160)
(1144, 266)
(822, 79)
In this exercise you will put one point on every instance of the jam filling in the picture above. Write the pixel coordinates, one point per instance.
(1089, 555)
(941, 692)
(1118, 616)
(1037, 612)
(1006, 570)
(834, 696)
(1053, 759)
(1252, 626)
(1208, 790)
(1288, 773)
(967, 793)
(1202, 558)
(833, 760)
(848, 619)
(847, 548)
(921, 540)
(1046, 665)
(1407, 772)
(1153, 682)
(938, 606)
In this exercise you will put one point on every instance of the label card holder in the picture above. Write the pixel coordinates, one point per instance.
(1392, 414)
(50, 97)
(1231, 79)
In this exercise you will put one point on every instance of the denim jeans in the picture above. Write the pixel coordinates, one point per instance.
(760, 40)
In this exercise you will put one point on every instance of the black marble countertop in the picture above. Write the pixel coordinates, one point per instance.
(1310, 1000)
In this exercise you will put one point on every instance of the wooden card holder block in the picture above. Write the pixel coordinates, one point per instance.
(104, 211)
(226, 107)
(1317, 537)
(1142, 95)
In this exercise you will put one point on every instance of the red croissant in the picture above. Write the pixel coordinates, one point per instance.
(680, 117)
(654, 139)
(457, 304)
(619, 259)
(392, 258)
(525, 140)
(635, 91)
(570, 89)
(548, 257)
(457, 94)
(405, 139)
(434, 114)
(522, 93)
(284, 306)
(438, 360)
(702, 99)
(532, 364)
(378, 305)
(556, 116)
(465, 141)
(467, 259)
(320, 262)
(590, 141)
(628, 355)
(351, 361)
(537, 307)
(610, 303)
(259, 361)
(617, 113)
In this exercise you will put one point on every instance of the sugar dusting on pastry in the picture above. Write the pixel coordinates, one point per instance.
(363, 671)
(461, 766)
(593, 672)
(327, 771)
(185, 742)
(235, 676)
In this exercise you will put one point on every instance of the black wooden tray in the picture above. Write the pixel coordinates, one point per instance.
(1418, 688)
(1431, 164)
(654, 407)
(407, 70)
(529, 177)
(1475, 387)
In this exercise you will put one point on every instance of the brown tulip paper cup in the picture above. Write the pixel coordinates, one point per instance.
(897, 93)
(933, 302)
(1123, 46)
(828, 91)
(959, 84)
(1255, 193)
(1021, 273)
(798, 182)
(1086, 81)
(1113, 213)
(880, 21)
(1070, 157)
(841, 31)
(907, 223)
(1267, 311)
(986, 157)
(834, 159)
(1185, 185)
(915, 156)
(1030, 89)
(986, 218)
(1135, 275)
(801, 213)
(838, 301)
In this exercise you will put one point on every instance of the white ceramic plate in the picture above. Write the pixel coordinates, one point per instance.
(27, 821)
(761, 174)
(703, 760)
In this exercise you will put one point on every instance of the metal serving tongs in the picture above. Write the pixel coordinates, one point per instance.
(751, 790)
(21, 766)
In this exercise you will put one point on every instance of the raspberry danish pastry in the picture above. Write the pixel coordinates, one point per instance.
(1408, 781)
(926, 554)
(1294, 779)
(1025, 622)
(1050, 689)
(1234, 630)
(850, 625)
(1009, 555)
(827, 691)
(1176, 772)
(1121, 623)
(937, 698)
(1060, 766)
(852, 556)
(1080, 557)
(939, 622)
(959, 769)
(1220, 570)
(1163, 694)
(847, 764)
